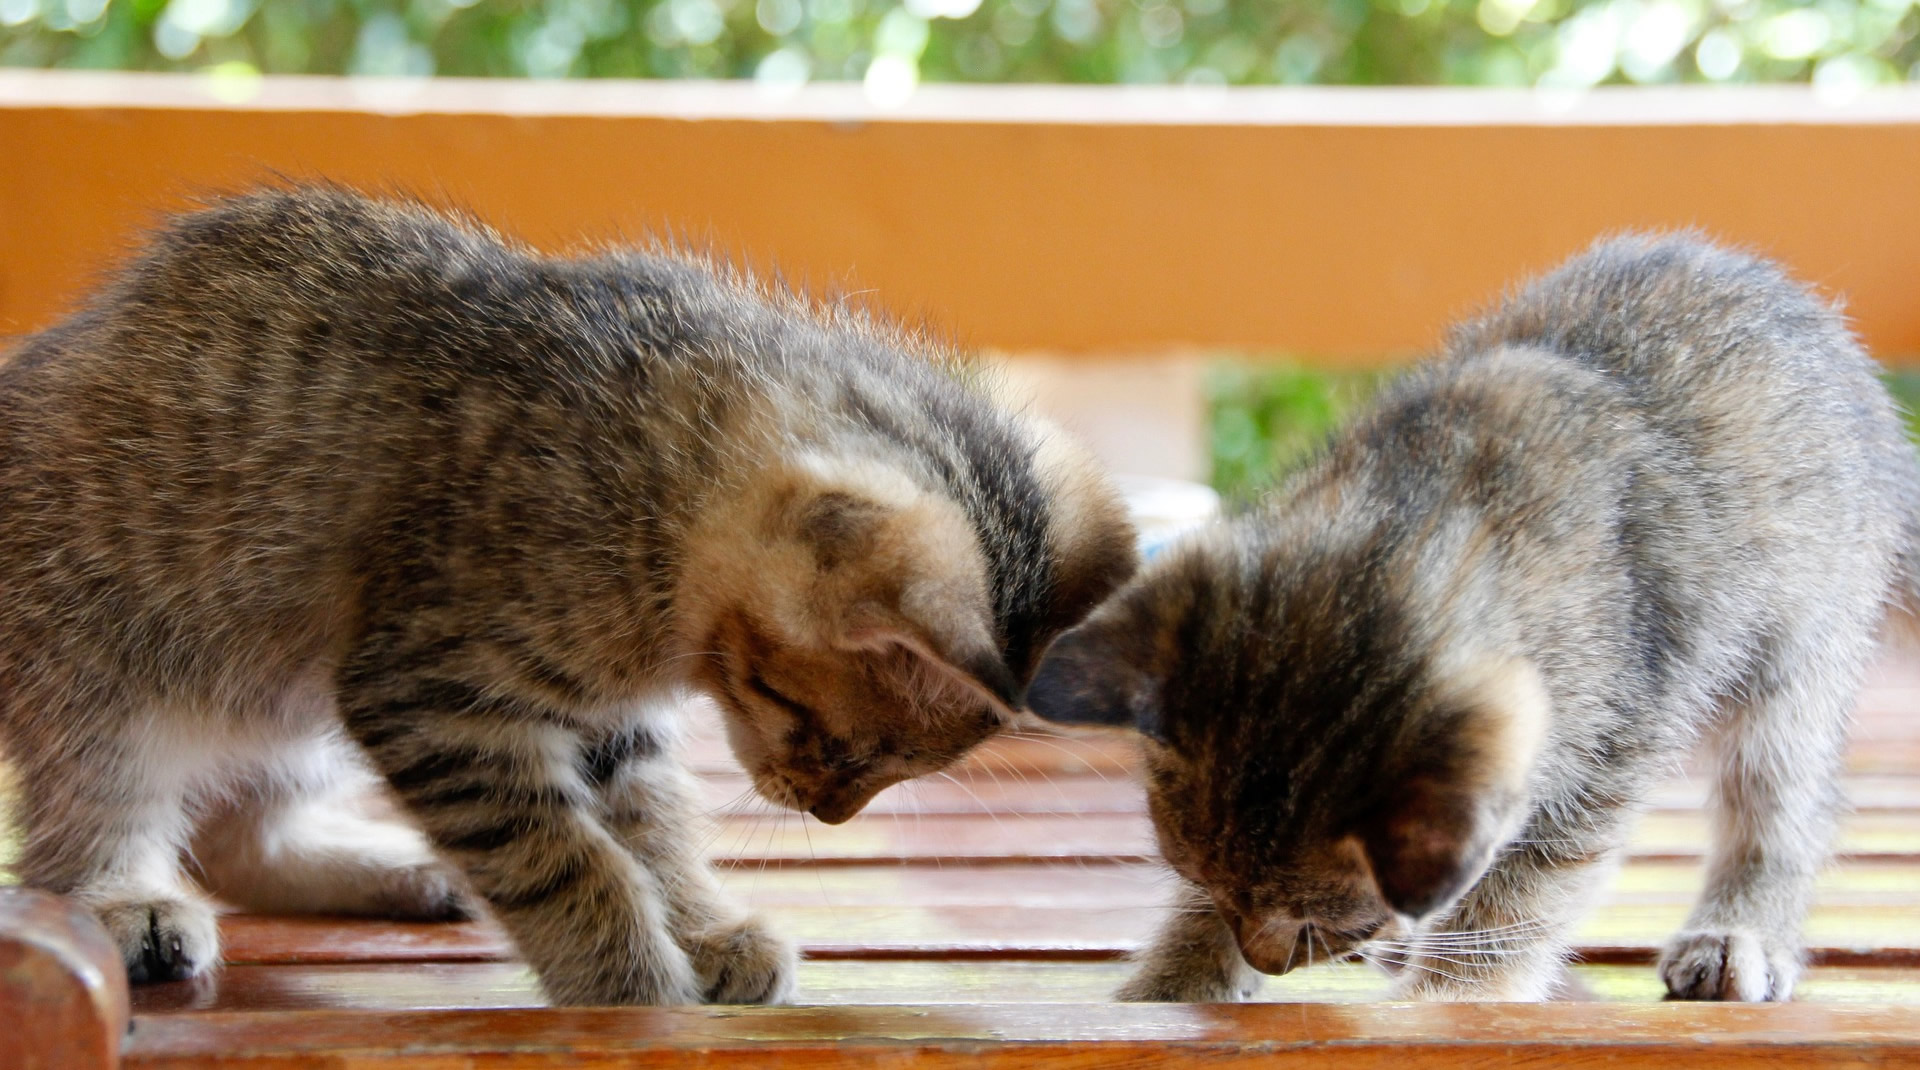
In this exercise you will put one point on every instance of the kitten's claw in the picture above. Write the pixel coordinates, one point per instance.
(163, 940)
(1735, 965)
(743, 963)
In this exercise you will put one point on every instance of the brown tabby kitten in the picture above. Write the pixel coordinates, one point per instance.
(321, 482)
(1408, 708)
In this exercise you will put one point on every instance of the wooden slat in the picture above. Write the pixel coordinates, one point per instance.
(1343, 224)
(754, 840)
(63, 992)
(475, 985)
(1001, 791)
(1864, 914)
(1347, 1036)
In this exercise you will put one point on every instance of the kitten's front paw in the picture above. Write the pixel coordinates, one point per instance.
(743, 963)
(1151, 985)
(1735, 964)
(163, 939)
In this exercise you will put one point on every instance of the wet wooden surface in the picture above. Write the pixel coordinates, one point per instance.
(994, 1035)
(63, 992)
(981, 920)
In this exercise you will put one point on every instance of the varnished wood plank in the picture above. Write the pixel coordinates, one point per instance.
(970, 790)
(260, 939)
(63, 990)
(1107, 923)
(753, 840)
(1345, 1036)
(1036, 753)
(473, 985)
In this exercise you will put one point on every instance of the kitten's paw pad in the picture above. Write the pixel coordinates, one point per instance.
(1736, 965)
(1152, 987)
(164, 939)
(744, 963)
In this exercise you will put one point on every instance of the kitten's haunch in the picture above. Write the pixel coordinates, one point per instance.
(1408, 708)
(320, 485)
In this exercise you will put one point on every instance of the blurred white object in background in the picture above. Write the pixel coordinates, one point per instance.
(1143, 414)
(1165, 509)
(1140, 415)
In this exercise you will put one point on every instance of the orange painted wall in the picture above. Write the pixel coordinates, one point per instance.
(1342, 241)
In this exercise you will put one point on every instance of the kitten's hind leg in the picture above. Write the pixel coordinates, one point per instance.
(296, 838)
(110, 835)
(1192, 959)
(1776, 798)
(651, 804)
(497, 786)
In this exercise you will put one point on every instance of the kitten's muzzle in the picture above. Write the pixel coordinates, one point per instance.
(835, 805)
(1280, 944)
(836, 810)
(1273, 950)
(832, 803)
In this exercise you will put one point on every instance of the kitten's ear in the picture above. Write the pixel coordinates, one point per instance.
(1098, 673)
(1460, 792)
(898, 567)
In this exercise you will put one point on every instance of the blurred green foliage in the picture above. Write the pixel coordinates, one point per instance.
(893, 44)
(1906, 390)
(1263, 419)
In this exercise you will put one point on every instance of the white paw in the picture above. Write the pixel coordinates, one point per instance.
(1734, 964)
(743, 963)
(162, 939)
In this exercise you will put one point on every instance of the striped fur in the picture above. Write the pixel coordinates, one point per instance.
(1409, 707)
(321, 485)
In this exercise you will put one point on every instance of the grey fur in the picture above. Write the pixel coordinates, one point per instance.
(320, 483)
(1409, 706)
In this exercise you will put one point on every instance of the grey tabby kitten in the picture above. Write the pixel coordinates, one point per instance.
(1408, 708)
(322, 483)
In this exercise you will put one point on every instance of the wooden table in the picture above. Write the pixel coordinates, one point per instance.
(980, 920)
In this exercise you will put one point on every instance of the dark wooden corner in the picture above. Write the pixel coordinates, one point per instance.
(63, 990)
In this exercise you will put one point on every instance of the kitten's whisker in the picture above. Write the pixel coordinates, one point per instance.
(818, 877)
(1501, 933)
(1047, 741)
(1453, 953)
(671, 658)
(1412, 965)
